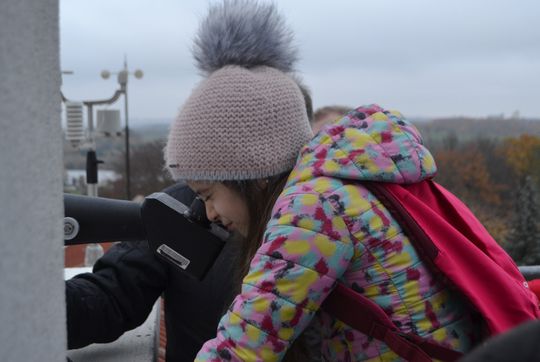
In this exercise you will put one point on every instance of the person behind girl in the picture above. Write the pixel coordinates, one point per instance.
(326, 115)
(243, 143)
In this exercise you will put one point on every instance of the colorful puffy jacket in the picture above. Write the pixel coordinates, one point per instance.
(326, 228)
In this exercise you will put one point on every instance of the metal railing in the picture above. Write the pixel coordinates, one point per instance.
(530, 272)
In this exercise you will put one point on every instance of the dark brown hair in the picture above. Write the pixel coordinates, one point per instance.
(260, 197)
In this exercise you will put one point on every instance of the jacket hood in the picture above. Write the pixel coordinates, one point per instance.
(367, 144)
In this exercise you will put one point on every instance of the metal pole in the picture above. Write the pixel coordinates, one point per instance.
(90, 122)
(128, 180)
(91, 180)
(92, 252)
(530, 272)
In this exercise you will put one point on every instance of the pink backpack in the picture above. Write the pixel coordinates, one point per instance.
(457, 249)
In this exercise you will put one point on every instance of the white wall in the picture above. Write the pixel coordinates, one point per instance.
(32, 311)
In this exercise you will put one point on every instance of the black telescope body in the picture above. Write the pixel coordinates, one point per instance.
(178, 234)
(101, 219)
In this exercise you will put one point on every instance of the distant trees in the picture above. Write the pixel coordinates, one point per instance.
(523, 156)
(497, 177)
(147, 171)
(499, 180)
(464, 170)
(523, 242)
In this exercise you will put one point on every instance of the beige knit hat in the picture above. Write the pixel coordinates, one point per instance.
(248, 118)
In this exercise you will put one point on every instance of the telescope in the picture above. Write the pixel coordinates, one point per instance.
(178, 234)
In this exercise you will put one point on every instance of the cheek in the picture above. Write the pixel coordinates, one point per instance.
(243, 215)
(238, 211)
(230, 210)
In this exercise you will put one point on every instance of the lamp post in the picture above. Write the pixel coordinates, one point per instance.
(75, 128)
(123, 76)
(76, 135)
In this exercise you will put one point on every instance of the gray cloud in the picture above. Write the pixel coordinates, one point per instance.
(424, 57)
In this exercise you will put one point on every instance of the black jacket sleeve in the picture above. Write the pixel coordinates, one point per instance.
(116, 297)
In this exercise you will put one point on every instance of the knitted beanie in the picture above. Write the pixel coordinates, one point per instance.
(247, 119)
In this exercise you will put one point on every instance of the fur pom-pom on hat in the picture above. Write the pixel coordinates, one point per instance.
(245, 33)
(247, 119)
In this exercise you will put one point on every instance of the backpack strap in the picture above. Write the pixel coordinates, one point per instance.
(369, 318)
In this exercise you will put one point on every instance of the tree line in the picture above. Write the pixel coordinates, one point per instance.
(499, 180)
(497, 177)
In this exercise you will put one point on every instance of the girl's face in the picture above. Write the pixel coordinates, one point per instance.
(223, 205)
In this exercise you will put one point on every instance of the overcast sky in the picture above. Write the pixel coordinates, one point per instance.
(426, 58)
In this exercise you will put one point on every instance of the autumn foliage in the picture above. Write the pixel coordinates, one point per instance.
(498, 179)
(486, 163)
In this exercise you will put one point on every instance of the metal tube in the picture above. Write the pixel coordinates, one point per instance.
(128, 179)
(111, 100)
(90, 121)
(530, 272)
(91, 187)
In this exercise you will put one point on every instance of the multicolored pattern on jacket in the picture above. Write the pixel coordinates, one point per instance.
(327, 228)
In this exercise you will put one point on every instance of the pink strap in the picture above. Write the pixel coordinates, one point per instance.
(367, 317)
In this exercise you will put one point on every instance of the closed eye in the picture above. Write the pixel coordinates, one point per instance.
(204, 198)
(203, 193)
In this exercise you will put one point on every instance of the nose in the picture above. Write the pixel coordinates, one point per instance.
(211, 213)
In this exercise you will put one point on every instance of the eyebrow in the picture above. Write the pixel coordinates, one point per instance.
(203, 190)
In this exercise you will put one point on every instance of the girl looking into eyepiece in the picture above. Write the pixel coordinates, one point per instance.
(243, 142)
